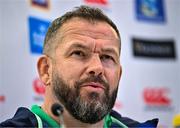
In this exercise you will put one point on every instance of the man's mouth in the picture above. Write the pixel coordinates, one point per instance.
(93, 86)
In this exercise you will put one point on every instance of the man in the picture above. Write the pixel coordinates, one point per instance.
(81, 69)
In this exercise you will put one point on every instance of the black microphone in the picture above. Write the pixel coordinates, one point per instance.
(57, 110)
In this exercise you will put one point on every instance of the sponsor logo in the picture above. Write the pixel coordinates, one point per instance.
(157, 98)
(44, 4)
(37, 31)
(154, 48)
(38, 86)
(99, 2)
(150, 10)
(39, 89)
(2, 98)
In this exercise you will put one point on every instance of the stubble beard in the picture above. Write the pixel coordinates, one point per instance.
(88, 109)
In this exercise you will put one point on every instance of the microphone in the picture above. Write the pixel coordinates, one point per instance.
(57, 110)
(176, 121)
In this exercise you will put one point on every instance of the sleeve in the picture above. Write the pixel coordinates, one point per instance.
(22, 118)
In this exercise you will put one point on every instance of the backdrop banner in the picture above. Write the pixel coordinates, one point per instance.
(150, 40)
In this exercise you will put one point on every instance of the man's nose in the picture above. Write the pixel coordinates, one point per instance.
(95, 66)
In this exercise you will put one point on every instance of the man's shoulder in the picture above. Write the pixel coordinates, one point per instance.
(132, 123)
(22, 118)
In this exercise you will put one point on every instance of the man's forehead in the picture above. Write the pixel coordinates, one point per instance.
(95, 29)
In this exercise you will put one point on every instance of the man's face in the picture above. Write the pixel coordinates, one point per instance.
(86, 69)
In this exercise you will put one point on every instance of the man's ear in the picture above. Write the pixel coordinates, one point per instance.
(44, 69)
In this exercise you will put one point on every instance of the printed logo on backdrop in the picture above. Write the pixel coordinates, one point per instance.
(2, 98)
(41, 4)
(150, 10)
(157, 98)
(99, 3)
(154, 48)
(39, 89)
(37, 31)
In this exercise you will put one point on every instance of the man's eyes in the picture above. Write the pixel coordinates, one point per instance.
(107, 58)
(78, 53)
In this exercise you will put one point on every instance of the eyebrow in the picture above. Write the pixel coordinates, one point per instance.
(77, 45)
(105, 50)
